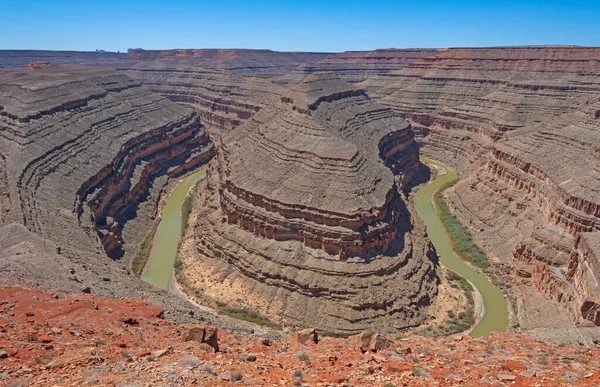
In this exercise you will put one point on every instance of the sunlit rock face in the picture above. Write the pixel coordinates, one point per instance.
(303, 216)
(82, 150)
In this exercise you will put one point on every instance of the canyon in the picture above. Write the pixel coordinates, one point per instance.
(520, 124)
(302, 217)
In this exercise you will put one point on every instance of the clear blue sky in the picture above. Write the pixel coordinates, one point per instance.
(307, 25)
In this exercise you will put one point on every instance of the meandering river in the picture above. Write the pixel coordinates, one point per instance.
(495, 317)
(168, 234)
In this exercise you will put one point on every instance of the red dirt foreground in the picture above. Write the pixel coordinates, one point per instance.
(86, 340)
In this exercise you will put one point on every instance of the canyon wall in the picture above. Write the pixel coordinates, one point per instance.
(303, 217)
(83, 148)
(19, 58)
(522, 126)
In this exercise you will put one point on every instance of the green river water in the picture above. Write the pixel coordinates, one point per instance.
(168, 234)
(496, 310)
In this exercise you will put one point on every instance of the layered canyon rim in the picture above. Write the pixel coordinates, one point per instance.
(311, 180)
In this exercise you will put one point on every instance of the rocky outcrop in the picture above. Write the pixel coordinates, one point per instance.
(584, 273)
(47, 339)
(84, 149)
(521, 126)
(302, 216)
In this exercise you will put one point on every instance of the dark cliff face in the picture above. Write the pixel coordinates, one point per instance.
(84, 148)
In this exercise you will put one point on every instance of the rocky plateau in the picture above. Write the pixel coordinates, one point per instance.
(305, 214)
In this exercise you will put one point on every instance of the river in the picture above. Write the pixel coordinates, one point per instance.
(168, 234)
(495, 317)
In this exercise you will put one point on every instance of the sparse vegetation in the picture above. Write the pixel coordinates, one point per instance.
(303, 356)
(456, 323)
(245, 314)
(139, 261)
(186, 209)
(461, 239)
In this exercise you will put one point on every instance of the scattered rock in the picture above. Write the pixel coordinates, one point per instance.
(306, 335)
(3, 354)
(202, 334)
(87, 355)
(372, 341)
(44, 339)
(403, 350)
(513, 366)
(506, 377)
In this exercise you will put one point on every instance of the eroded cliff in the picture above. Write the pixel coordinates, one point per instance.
(303, 218)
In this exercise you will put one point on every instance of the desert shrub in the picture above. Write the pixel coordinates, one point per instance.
(461, 237)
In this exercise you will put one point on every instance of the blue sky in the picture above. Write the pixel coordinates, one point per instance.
(327, 25)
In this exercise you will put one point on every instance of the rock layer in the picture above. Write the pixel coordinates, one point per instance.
(521, 125)
(302, 217)
(83, 148)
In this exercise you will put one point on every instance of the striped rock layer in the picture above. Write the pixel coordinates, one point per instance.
(303, 216)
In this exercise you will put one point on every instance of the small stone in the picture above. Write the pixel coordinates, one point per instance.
(506, 377)
(306, 335)
(266, 342)
(3, 354)
(44, 339)
(162, 352)
(56, 331)
(251, 358)
(403, 350)
(513, 365)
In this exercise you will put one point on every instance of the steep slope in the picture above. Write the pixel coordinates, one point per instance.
(86, 154)
(303, 219)
(82, 150)
(522, 125)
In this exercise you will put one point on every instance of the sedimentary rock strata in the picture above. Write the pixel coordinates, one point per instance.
(302, 216)
(521, 125)
(222, 99)
(356, 66)
(584, 273)
(83, 147)
(19, 58)
(264, 63)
